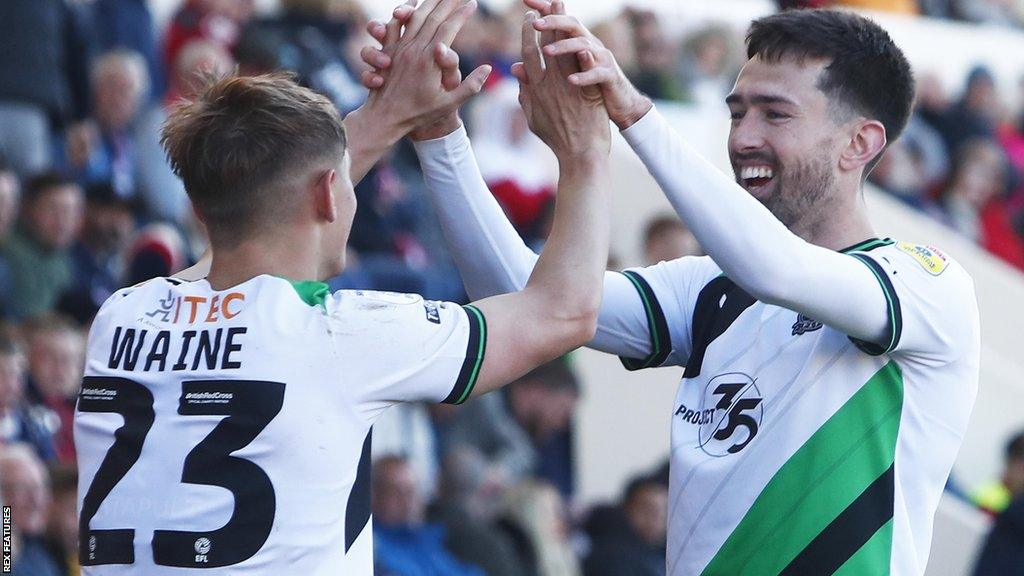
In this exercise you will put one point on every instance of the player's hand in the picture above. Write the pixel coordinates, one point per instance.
(379, 60)
(413, 84)
(570, 119)
(624, 102)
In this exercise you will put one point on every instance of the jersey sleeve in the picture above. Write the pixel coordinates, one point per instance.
(931, 302)
(669, 292)
(425, 351)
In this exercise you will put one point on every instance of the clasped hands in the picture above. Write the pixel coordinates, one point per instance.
(415, 80)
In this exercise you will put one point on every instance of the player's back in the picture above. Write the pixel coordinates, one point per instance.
(229, 430)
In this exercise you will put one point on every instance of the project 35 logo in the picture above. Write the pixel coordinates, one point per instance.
(734, 405)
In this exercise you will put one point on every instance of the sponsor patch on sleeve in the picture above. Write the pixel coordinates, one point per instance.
(930, 258)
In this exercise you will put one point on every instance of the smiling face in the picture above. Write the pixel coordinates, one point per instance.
(784, 138)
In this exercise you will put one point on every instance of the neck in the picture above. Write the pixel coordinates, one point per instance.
(285, 256)
(838, 224)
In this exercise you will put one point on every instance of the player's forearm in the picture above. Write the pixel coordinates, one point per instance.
(368, 139)
(489, 253)
(740, 234)
(751, 245)
(570, 270)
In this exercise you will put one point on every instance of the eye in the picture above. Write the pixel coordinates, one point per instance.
(736, 115)
(775, 115)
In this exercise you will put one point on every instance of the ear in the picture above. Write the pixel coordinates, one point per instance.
(323, 196)
(866, 144)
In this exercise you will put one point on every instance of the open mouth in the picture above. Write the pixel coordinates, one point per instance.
(755, 177)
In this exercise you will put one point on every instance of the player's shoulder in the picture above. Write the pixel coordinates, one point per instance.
(392, 307)
(691, 269)
(139, 290)
(925, 262)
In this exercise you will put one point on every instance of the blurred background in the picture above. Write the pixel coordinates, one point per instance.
(564, 472)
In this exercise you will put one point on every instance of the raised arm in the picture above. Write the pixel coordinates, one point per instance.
(750, 245)
(491, 256)
(557, 309)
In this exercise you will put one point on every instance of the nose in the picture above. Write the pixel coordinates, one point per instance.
(745, 135)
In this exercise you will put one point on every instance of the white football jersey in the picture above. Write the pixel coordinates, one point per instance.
(795, 449)
(228, 432)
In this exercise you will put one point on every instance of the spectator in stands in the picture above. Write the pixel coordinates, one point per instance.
(519, 170)
(108, 153)
(216, 21)
(25, 486)
(527, 431)
(994, 497)
(490, 38)
(897, 6)
(315, 39)
(10, 193)
(62, 521)
(709, 65)
(21, 422)
(405, 430)
(128, 24)
(655, 72)
(931, 101)
(196, 59)
(56, 355)
(617, 36)
(973, 202)
(98, 256)
(156, 250)
(38, 251)
(997, 12)
(469, 500)
(1003, 552)
(163, 193)
(405, 544)
(975, 114)
(536, 517)
(899, 173)
(637, 546)
(667, 238)
(44, 83)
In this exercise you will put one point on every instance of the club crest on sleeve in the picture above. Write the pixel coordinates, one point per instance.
(804, 324)
(929, 257)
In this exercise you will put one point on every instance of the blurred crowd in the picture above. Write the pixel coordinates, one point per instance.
(88, 205)
(997, 12)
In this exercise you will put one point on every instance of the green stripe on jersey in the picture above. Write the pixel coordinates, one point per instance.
(657, 326)
(475, 314)
(842, 459)
(874, 558)
(868, 245)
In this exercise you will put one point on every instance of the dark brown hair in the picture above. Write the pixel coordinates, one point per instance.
(241, 140)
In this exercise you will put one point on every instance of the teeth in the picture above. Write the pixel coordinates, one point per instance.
(748, 172)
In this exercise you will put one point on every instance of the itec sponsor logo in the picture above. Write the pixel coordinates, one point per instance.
(188, 309)
(729, 415)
